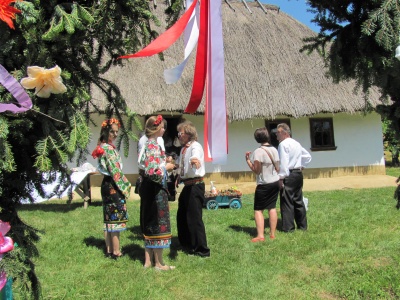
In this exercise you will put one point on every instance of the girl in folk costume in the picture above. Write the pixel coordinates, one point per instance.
(154, 207)
(115, 187)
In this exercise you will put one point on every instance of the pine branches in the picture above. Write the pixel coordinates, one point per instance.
(358, 39)
(62, 21)
(7, 163)
(84, 38)
(383, 22)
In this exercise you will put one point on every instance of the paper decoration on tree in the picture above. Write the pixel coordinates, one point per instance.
(44, 81)
(202, 24)
(23, 103)
(6, 245)
(7, 12)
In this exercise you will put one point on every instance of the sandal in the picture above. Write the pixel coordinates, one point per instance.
(164, 268)
(116, 256)
(257, 239)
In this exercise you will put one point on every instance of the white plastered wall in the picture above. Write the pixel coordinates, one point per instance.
(358, 139)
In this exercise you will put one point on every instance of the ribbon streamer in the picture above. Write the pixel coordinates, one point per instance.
(209, 71)
(166, 39)
(19, 93)
(200, 69)
(191, 36)
(216, 129)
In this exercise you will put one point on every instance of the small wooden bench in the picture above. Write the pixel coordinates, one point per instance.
(84, 191)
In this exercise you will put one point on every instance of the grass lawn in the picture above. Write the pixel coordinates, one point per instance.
(351, 251)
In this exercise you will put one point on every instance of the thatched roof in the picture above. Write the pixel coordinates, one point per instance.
(266, 75)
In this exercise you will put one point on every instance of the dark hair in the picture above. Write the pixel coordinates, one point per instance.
(261, 135)
(172, 154)
(189, 129)
(105, 132)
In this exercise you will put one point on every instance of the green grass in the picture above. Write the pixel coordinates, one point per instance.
(393, 171)
(351, 251)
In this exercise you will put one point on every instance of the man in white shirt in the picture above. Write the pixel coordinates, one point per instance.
(293, 158)
(189, 219)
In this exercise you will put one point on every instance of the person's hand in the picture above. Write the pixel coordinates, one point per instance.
(195, 162)
(247, 155)
(281, 185)
(169, 167)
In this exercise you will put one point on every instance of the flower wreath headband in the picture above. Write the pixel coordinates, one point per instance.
(158, 120)
(110, 122)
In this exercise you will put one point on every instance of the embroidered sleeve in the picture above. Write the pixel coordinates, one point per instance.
(154, 160)
(112, 161)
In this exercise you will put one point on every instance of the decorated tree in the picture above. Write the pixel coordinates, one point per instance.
(358, 40)
(58, 50)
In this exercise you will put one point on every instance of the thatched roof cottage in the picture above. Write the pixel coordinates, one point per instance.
(268, 81)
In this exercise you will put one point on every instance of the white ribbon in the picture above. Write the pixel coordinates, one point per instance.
(216, 103)
(191, 36)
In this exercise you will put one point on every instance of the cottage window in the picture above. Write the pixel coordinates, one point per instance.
(322, 137)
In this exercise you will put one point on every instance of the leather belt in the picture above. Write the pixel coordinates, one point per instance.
(296, 170)
(192, 181)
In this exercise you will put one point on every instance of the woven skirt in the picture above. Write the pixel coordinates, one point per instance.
(154, 215)
(115, 214)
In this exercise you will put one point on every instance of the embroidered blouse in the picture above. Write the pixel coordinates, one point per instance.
(153, 159)
(110, 164)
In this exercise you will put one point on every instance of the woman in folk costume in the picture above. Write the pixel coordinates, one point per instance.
(154, 207)
(115, 187)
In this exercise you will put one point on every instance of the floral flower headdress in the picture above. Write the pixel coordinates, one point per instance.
(110, 122)
(158, 120)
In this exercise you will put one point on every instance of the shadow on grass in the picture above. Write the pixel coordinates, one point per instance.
(175, 246)
(133, 251)
(251, 231)
(138, 236)
(55, 207)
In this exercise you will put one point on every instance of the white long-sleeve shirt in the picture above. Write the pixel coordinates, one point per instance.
(292, 156)
(195, 150)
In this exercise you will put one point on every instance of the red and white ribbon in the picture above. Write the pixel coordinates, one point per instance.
(209, 70)
(191, 36)
(166, 39)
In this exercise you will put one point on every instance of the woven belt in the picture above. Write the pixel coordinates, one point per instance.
(192, 181)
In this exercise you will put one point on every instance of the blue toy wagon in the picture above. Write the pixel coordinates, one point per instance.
(230, 198)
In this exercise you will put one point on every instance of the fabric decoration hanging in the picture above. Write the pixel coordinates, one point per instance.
(209, 70)
(23, 103)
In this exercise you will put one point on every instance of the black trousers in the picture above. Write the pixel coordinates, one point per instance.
(189, 219)
(292, 205)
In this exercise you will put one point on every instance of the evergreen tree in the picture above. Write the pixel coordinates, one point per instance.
(84, 38)
(358, 40)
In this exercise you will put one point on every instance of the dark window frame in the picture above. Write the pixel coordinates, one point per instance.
(326, 142)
